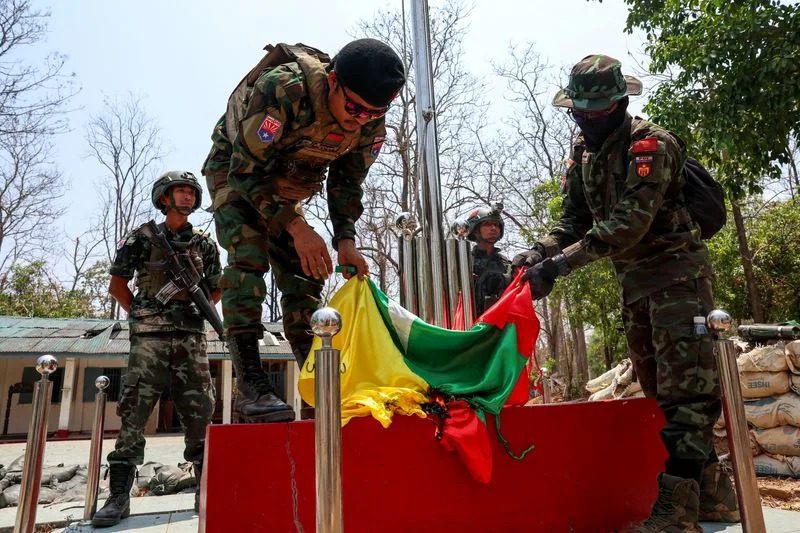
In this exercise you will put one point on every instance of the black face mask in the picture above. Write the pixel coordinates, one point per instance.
(596, 131)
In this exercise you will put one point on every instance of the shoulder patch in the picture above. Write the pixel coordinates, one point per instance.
(269, 128)
(650, 144)
(377, 143)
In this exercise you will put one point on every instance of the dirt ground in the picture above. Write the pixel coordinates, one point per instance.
(780, 493)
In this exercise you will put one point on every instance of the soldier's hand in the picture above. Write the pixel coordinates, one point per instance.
(311, 248)
(529, 258)
(349, 255)
(541, 277)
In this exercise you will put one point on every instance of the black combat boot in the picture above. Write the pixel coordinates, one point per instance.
(118, 504)
(255, 399)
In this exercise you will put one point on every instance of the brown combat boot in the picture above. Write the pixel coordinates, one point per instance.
(676, 509)
(718, 501)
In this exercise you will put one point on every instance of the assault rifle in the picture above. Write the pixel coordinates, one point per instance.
(184, 276)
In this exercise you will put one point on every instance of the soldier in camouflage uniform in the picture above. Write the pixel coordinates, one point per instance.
(623, 200)
(295, 117)
(168, 343)
(491, 270)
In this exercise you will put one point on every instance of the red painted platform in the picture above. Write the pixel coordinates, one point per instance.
(593, 469)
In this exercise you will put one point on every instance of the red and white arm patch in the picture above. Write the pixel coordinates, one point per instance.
(650, 144)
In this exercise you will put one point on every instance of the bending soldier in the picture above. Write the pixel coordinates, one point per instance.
(295, 117)
(168, 342)
(491, 270)
(623, 200)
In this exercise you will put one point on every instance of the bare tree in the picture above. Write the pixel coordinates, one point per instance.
(126, 143)
(33, 102)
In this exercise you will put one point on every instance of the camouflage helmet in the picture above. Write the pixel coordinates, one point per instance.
(170, 179)
(479, 216)
(595, 84)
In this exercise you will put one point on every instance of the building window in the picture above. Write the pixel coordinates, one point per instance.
(30, 376)
(114, 374)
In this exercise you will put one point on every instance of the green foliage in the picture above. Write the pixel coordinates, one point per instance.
(774, 238)
(732, 90)
(27, 290)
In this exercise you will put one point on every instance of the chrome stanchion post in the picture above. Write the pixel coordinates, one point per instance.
(34, 451)
(96, 450)
(735, 421)
(325, 323)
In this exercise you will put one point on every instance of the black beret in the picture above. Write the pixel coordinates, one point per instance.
(371, 69)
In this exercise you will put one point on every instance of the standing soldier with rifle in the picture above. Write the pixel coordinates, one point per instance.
(176, 269)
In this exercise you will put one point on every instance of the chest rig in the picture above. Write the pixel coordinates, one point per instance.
(304, 150)
(154, 277)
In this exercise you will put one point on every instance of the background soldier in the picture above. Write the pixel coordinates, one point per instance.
(491, 270)
(623, 200)
(168, 344)
(294, 117)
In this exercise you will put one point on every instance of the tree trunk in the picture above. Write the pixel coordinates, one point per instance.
(581, 357)
(756, 309)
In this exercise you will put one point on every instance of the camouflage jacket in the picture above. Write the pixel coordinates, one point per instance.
(491, 275)
(625, 202)
(148, 315)
(286, 122)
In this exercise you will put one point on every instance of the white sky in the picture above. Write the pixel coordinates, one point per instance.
(183, 58)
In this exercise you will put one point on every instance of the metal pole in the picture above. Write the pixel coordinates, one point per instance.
(428, 159)
(408, 279)
(451, 252)
(735, 421)
(325, 323)
(34, 451)
(423, 270)
(96, 449)
(460, 228)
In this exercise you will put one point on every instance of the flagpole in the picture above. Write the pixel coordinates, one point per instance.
(428, 168)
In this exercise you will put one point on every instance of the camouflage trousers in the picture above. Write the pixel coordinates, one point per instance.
(252, 250)
(678, 368)
(161, 361)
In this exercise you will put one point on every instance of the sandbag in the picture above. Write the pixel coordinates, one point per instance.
(11, 495)
(764, 359)
(763, 384)
(782, 440)
(146, 473)
(793, 357)
(166, 480)
(795, 382)
(604, 380)
(774, 411)
(767, 465)
(60, 472)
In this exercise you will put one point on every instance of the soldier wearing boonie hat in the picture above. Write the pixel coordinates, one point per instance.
(623, 199)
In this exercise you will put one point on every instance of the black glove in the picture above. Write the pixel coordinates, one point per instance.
(542, 276)
(531, 257)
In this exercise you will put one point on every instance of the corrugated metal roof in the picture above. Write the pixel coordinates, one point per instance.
(24, 336)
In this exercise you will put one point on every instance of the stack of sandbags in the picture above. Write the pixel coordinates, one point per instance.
(764, 371)
(616, 383)
(770, 381)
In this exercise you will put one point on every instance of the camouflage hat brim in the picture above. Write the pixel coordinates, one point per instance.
(633, 86)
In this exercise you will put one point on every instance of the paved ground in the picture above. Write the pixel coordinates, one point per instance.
(172, 514)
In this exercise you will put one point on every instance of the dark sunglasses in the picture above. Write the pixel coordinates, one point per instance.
(581, 116)
(357, 110)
